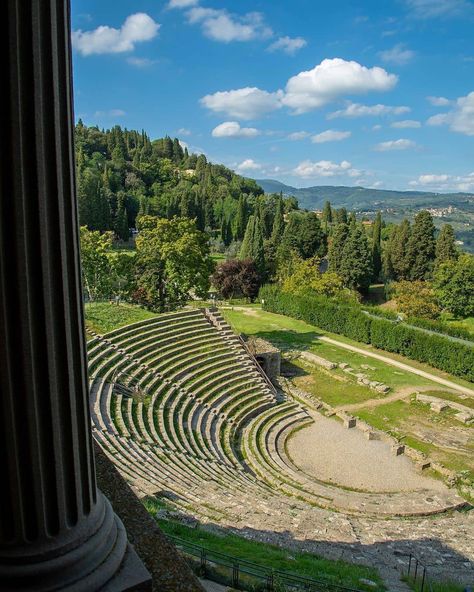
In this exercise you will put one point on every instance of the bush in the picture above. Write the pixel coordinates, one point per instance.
(441, 327)
(435, 350)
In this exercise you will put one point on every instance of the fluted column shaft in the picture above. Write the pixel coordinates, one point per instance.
(56, 530)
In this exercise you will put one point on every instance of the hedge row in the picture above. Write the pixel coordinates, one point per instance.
(442, 327)
(330, 315)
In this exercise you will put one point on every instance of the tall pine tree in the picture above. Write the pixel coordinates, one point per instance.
(446, 249)
(377, 246)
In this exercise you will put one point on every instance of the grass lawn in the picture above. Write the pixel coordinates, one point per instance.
(440, 436)
(288, 333)
(103, 317)
(271, 556)
(464, 323)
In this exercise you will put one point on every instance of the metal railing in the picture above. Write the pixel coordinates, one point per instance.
(417, 574)
(246, 575)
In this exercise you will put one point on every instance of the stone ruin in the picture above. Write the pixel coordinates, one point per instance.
(266, 354)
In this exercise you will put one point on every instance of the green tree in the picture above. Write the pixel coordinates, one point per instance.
(306, 279)
(416, 299)
(336, 246)
(377, 246)
(446, 249)
(454, 285)
(356, 267)
(241, 218)
(421, 247)
(396, 265)
(121, 222)
(252, 245)
(95, 264)
(278, 223)
(327, 215)
(172, 262)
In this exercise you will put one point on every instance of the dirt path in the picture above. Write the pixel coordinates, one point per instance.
(444, 381)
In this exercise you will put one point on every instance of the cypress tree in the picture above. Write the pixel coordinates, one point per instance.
(377, 246)
(446, 249)
(252, 245)
(421, 247)
(397, 251)
(336, 246)
(327, 215)
(278, 223)
(121, 222)
(356, 268)
(241, 218)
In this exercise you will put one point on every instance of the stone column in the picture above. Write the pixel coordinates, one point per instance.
(57, 532)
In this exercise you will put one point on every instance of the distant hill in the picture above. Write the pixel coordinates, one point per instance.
(370, 200)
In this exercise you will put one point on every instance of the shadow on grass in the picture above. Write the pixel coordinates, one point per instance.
(289, 339)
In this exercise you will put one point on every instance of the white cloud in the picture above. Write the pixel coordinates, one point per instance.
(376, 127)
(358, 110)
(398, 55)
(248, 165)
(223, 26)
(460, 119)
(184, 131)
(298, 135)
(439, 101)
(406, 123)
(182, 3)
(322, 168)
(425, 9)
(401, 144)
(289, 45)
(135, 29)
(243, 103)
(445, 182)
(331, 79)
(110, 113)
(330, 136)
(232, 129)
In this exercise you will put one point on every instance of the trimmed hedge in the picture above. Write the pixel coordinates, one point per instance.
(442, 327)
(330, 315)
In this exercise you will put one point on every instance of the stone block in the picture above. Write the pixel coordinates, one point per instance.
(439, 406)
(398, 449)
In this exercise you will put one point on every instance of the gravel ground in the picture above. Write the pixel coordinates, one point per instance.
(332, 453)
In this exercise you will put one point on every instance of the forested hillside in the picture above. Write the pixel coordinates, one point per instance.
(122, 173)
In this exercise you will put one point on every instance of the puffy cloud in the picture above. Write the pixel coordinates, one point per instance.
(232, 129)
(439, 101)
(445, 182)
(110, 113)
(398, 55)
(401, 144)
(358, 110)
(182, 3)
(460, 119)
(223, 26)
(308, 90)
(406, 123)
(298, 135)
(425, 9)
(289, 45)
(248, 165)
(322, 168)
(135, 29)
(243, 103)
(331, 79)
(330, 136)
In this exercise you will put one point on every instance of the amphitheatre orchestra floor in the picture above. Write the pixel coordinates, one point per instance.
(328, 451)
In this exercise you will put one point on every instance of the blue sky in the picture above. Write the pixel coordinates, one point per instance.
(377, 93)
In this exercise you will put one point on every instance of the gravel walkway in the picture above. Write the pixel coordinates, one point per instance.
(332, 453)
